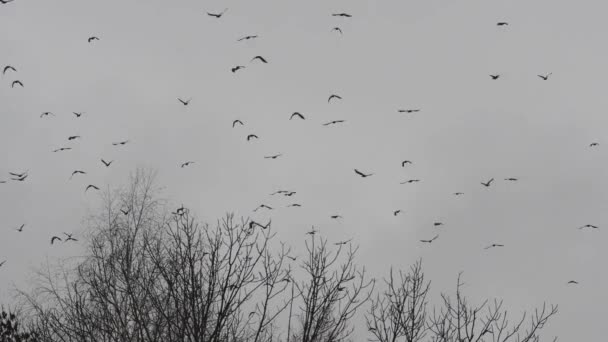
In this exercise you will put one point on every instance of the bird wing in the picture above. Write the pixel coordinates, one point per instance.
(359, 172)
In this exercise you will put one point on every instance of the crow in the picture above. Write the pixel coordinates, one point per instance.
(312, 231)
(363, 174)
(7, 68)
(246, 38)
(589, 226)
(69, 237)
(18, 175)
(20, 229)
(437, 224)
(217, 15)
(494, 245)
(187, 163)
(4, 2)
(495, 77)
(77, 172)
(237, 68)
(120, 143)
(289, 193)
(545, 77)
(16, 82)
(572, 282)
(409, 110)
(431, 240)
(20, 179)
(251, 136)
(260, 58)
(55, 238)
(294, 205)
(334, 96)
(511, 179)
(125, 212)
(298, 115)
(263, 206)
(78, 114)
(46, 114)
(458, 193)
(292, 258)
(502, 23)
(594, 144)
(279, 192)
(237, 121)
(342, 242)
(410, 181)
(91, 186)
(273, 156)
(73, 137)
(92, 39)
(396, 212)
(345, 15)
(335, 217)
(185, 103)
(487, 184)
(107, 164)
(405, 162)
(62, 149)
(337, 29)
(333, 122)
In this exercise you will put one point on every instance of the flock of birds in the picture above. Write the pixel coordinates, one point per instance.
(21, 176)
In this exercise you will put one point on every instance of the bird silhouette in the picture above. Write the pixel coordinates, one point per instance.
(107, 164)
(340, 243)
(312, 231)
(594, 144)
(495, 77)
(20, 178)
(46, 114)
(73, 137)
(251, 136)
(125, 212)
(298, 115)
(78, 114)
(334, 96)
(337, 29)
(545, 77)
(4, 261)
(345, 15)
(263, 206)
(77, 172)
(62, 149)
(335, 217)
(363, 174)
(511, 179)
(431, 240)
(92, 39)
(185, 103)
(246, 38)
(69, 237)
(217, 15)
(502, 23)
(487, 184)
(494, 245)
(589, 226)
(333, 122)
(5, 2)
(292, 258)
(120, 143)
(279, 192)
(289, 193)
(396, 212)
(458, 193)
(20, 229)
(237, 68)
(252, 225)
(273, 156)
(403, 163)
(55, 238)
(409, 110)
(187, 163)
(18, 175)
(410, 181)
(91, 186)
(294, 205)
(16, 82)
(237, 121)
(437, 224)
(7, 68)
(573, 282)
(260, 58)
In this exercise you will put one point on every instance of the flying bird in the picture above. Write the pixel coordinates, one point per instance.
(403, 163)
(312, 231)
(545, 77)
(77, 172)
(273, 156)
(337, 29)
(495, 77)
(487, 184)
(18, 175)
(7, 68)
(345, 15)
(46, 114)
(16, 82)
(363, 174)
(589, 226)
(237, 68)
(260, 58)
(594, 144)
(494, 245)
(573, 282)
(78, 114)
(251, 136)
(92, 39)
(334, 96)
(125, 212)
(263, 206)
(339, 243)
(396, 212)
(3, 262)
(185, 103)
(410, 181)
(502, 23)
(107, 164)
(69, 237)
(73, 137)
(294, 205)
(289, 193)
(187, 163)
(91, 186)
(55, 238)
(62, 149)
(409, 110)
(20, 229)
(247, 38)
(20, 179)
(511, 179)
(335, 217)
(333, 122)
(458, 193)
(217, 15)
(298, 115)
(237, 121)
(437, 224)
(120, 143)
(431, 240)
(279, 192)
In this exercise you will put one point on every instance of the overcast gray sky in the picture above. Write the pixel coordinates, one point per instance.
(428, 54)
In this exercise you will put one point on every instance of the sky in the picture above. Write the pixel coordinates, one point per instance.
(432, 55)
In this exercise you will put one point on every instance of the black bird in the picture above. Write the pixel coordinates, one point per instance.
(92, 39)
(77, 172)
(273, 156)
(495, 77)
(16, 82)
(78, 114)
(335, 217)
(55, 238)
(459, 193)
(251, 136)
(312, 231)
(185, 103)
(7, 68)
(46, 114)
(18, 175)
(125, 212)
(73, 137)
(217, 15)
(292, 258)
(298, 115)
(260, 58)
(431, 240)
(107, 164)
(5, 2)
(279, 192)
(502, 23)
(333, 122)
(20, 179)
(342, 242)
(20, 229)
(511, 179)
(69, 237)
(263, 206)
(237, 68)
(409, 110)
(487, 184)
(252, 225)
(589, 226)
(545, 77)
(410, 181)
(363, 174)
(289, 193)
(337, 29)
(334, 96)
(437, 224)
(573, 282)
(594, 144)
(3, 262)
(120, 143)
(187, 163)
(346, 15)
(405, 162)
(247, 38)
(237, 121)
(62, 149)
(294, 205)
(494, 245)
(91, 186)
(396, 212)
